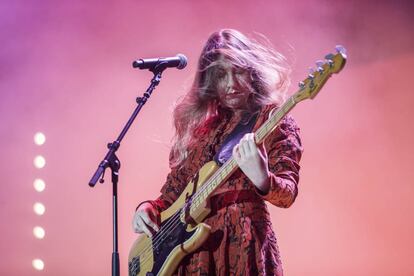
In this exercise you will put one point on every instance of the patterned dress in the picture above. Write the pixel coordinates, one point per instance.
(242, 241)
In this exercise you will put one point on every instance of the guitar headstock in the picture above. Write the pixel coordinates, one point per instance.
(311, 86)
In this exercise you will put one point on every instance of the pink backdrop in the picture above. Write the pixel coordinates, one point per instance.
(65, 70)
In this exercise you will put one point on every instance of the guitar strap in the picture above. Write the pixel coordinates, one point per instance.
(226, 149)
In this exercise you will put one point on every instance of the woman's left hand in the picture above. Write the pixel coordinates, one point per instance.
(253, 162)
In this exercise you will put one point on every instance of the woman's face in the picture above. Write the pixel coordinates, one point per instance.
(233, 85)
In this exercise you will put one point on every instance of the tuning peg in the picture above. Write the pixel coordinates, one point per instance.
(311, 73)
(329, 56)
(301, 85)
(319, 64)
(340, 49)
(329, 59)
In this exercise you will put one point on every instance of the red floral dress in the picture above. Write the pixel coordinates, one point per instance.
(242, 241)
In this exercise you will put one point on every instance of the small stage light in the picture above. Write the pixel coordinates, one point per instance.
(38, 264)
(39, 138)
(39, 161)
(39, 232)
(39, 185)
(39, 208)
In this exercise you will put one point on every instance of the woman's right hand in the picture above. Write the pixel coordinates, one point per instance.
(146, 219)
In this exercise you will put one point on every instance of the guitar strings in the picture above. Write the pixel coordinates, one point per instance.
(163, 234)
(173, 222)
(167, 230)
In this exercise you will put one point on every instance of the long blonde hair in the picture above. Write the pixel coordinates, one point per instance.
(199, 109)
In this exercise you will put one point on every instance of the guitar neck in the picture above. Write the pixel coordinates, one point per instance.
(274, 120)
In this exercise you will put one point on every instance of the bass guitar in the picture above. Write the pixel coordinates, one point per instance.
(182, 230)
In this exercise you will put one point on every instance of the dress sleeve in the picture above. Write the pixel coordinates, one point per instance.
(284, 149)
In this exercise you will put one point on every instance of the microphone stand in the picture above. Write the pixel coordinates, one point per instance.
(111, 160)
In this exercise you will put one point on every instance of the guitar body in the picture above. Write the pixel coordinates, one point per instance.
(180, 233)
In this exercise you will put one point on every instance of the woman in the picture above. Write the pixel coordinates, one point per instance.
(238, 83)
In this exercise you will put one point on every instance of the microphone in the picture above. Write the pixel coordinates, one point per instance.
(179, 61)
